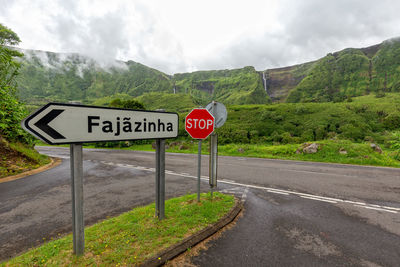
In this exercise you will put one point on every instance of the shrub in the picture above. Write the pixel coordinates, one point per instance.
(392, 121)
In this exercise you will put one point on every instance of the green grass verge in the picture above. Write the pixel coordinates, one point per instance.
(30, 153)
(17, 158)
(357, 153)
(134, 236)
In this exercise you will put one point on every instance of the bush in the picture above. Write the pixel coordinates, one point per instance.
(286, 138)
(352, 133)
(12, 111)
(392, 121)
(307, 135)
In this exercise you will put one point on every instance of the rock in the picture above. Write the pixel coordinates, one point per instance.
(183, 147)
(174, 144)
(376, 148)
(342, 151)
(241, 150)
(311, 149)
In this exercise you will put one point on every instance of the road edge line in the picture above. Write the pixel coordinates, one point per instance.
(54, 163)
(174, 250)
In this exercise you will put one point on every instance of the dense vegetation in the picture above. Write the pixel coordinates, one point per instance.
(152, 101)
(339, 76)
(238, 86)
(16, 152)
(351, 72)
(11, 109)
(367, 118)
(47, 76)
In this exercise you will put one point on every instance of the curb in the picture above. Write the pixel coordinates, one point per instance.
(54, 162)
(173, 251)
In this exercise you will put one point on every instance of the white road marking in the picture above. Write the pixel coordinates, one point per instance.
(272, 190)
(390, 208)
(375, 208)
(322, 173)
(354, 202)
(244, 195)
(233, 190)
(224, 180)
(58, 156)
(277, 192)
(319, 199)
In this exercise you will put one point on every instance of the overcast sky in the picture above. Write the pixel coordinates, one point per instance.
(186, 35)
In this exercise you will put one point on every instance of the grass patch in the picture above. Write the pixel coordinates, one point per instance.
(134, 236)
(357, 153)
(17, 158)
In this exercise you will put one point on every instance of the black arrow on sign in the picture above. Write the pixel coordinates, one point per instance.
(43, 124)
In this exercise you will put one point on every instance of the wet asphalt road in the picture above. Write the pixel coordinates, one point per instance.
(296, 213)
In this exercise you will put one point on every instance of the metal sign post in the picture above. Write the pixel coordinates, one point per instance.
(160, 178)
(78, 225)
(220, 114)
(198, 171)
(213, 162)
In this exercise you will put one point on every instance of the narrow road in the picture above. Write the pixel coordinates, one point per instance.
(296, 213)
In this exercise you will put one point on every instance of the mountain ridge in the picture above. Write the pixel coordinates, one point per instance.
(350, 72)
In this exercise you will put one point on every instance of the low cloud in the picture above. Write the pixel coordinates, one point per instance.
(133, 30)
(311, 29)
(133, 34)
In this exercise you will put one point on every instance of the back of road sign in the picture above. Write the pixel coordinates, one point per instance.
(218, 110)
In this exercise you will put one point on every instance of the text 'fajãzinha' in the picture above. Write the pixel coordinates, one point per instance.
(127, 126)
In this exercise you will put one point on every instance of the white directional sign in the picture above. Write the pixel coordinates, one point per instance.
(57, 123)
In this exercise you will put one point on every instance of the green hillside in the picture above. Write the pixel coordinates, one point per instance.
(47, 76)
(336, 77)
(351, 72)
(169, 102)
(281, 81)
(238, 86)
(367, 118)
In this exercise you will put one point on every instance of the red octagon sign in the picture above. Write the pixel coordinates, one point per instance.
(199, 123)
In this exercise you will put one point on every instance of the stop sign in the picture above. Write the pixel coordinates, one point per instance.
(199, 123)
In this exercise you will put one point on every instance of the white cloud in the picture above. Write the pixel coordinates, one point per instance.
(178, 36)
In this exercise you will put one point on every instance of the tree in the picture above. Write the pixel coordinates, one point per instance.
(129, 104)
(8, 65)
(11, 110)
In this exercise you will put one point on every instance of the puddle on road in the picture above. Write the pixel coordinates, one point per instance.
(310, 243)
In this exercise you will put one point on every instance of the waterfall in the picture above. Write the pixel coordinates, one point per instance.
(265, 82)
